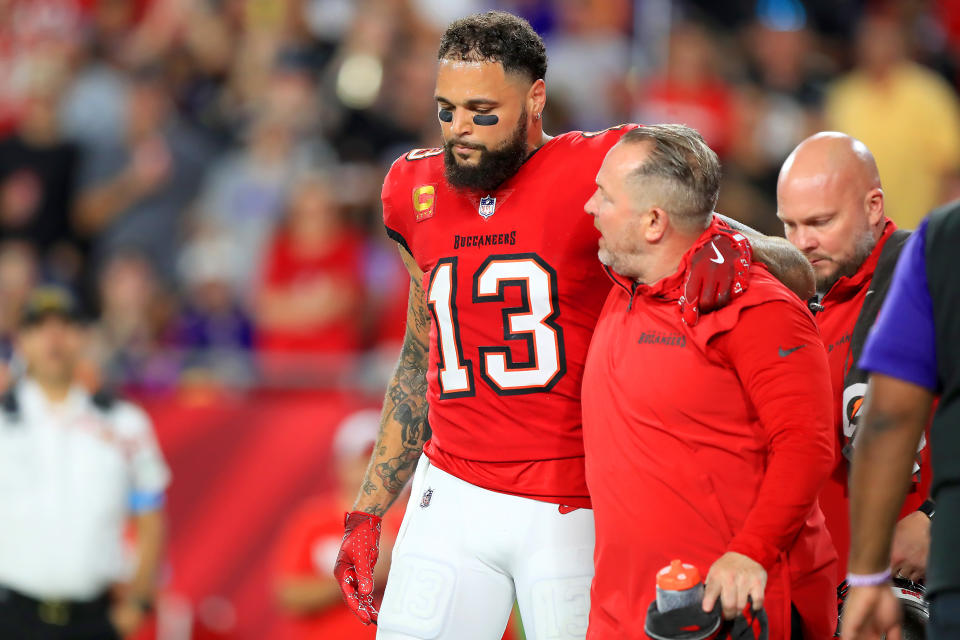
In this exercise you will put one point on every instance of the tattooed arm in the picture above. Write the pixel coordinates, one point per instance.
(783, 260)
(403, 424)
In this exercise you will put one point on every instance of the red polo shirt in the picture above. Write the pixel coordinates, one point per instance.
(841, 308)
(707, 439)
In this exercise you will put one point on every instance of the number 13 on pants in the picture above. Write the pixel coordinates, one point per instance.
(533, 323)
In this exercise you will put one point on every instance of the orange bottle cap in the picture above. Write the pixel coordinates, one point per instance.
(679, 576)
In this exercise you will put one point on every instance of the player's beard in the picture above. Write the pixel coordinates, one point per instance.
(494, 167)
(846, 268)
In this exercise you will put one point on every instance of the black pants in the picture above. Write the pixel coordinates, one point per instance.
(796, 623)
(24, 618)
(944, 616)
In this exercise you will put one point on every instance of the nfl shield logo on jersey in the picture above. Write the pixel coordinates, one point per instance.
(487, 206)
(425, 500)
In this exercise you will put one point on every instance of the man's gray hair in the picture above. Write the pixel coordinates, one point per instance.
(687, 170)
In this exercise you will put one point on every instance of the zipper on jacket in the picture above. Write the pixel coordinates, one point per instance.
(633, 285)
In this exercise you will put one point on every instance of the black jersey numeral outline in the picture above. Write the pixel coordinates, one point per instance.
(462, 362)
(527, 336)
(549, 320)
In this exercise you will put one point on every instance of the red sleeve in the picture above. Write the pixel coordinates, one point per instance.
(393, 218)
(777, 353)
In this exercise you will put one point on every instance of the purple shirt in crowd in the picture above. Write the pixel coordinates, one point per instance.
(902, 342)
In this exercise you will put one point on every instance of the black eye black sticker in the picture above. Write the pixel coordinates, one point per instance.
(445, 115)
(485, 120)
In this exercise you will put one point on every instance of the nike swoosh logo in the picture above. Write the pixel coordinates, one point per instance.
(719, 258)
(785, 352)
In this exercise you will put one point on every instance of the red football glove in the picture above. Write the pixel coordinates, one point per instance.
(355, 562)
(719, 271)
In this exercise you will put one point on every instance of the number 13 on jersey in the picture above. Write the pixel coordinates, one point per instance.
(533, 323)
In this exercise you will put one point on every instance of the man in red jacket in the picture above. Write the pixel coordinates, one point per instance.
(707, 443)
(830, 200)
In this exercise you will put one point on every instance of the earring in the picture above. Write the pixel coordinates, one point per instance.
(536, 116)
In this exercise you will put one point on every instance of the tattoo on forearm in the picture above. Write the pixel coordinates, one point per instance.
(421, 316)
(406, 406)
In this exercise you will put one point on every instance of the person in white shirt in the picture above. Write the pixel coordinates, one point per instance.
(74, 467)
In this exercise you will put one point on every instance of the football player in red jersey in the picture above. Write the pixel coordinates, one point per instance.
(506, 289)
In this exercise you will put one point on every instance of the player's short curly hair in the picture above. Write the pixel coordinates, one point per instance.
(496, 36)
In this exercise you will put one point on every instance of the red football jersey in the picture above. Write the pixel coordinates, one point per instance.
(514, 286)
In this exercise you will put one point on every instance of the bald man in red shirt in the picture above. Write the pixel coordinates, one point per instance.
(707, 443)
(831, 202)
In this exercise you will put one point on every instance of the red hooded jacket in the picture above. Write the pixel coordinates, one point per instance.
(707, 439)
(841, 307)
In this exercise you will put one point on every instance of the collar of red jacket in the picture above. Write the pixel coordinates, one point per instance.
(669, 287)
(848, 286)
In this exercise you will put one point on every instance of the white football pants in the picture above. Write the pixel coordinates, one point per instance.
(463, 554)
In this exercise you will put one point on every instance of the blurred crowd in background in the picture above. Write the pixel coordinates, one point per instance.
(205, 174)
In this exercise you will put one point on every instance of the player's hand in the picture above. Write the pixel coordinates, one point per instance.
(354, 567)
(869, 613)
(911, 545)
(719, 271)
(733, 578)
(126, 617)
